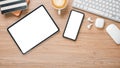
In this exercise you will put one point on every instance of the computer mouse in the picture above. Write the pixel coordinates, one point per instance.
(114, 33)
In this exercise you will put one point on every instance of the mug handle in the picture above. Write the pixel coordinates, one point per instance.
(59, 11)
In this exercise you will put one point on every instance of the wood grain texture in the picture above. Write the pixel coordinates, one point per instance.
(93, 48)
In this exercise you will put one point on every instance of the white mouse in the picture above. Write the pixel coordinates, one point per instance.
(114, 33)
(99, 23)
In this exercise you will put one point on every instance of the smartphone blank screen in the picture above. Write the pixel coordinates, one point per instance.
(73, 25)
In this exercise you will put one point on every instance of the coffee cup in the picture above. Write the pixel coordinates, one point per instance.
(59, 5)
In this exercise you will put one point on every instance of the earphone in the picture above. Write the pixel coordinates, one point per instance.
(90, 19)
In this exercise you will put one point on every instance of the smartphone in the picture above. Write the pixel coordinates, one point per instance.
(73, 25)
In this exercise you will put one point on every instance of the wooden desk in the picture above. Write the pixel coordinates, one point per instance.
(93, 48)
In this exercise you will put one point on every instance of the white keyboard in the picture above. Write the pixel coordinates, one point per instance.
(106, 8)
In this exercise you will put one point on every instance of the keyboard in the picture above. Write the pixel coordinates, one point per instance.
(106, 8)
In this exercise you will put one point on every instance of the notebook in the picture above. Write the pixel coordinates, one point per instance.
(12, 5)
(18, 12)
(33, 29)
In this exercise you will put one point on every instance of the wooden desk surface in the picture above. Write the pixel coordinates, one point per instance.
(93, 48)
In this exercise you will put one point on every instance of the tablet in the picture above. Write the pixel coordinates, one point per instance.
(73, 25)
(33, 29)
